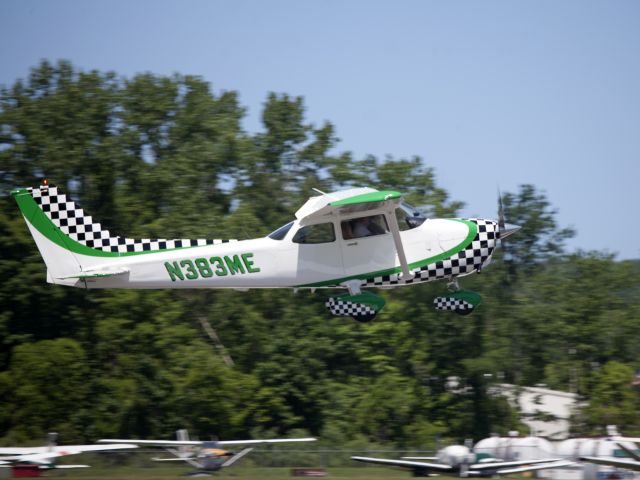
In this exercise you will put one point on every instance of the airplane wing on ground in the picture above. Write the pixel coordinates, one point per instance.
(197, 443)
(629, 451)
(530, 467)
(45, 455)
(513, 463)
(420, 458)
(405, 463)
(271, 440)
(474, 470)
(613, 462)
(155, 443)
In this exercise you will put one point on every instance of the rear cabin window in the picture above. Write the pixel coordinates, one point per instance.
(364, 227)
(319, 233)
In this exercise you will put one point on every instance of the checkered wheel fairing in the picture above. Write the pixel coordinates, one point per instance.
(346, 308)
(74, 222)
(452, 304)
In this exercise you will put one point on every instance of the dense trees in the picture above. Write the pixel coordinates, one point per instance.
(167, 157)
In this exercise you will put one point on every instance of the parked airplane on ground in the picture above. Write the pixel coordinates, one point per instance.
(351, 239)
(459, 459)
(207, 456)
(627, 454)
(45, 457)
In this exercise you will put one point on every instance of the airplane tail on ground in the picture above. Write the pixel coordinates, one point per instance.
(75, 247)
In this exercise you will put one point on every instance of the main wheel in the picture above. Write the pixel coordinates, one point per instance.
(365, 318)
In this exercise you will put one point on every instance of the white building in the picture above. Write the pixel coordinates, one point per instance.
(546, 412)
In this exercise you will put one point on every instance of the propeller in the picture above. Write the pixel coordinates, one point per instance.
(505, 229)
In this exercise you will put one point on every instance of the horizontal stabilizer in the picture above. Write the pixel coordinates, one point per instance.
(97, 273)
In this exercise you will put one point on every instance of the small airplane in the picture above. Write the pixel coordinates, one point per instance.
(459, 459)
(207, 456)
(45, 457)
(351, 239)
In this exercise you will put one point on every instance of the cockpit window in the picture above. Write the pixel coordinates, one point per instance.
(408, 217)
(319, 233)
(280, 233)
(364, 227)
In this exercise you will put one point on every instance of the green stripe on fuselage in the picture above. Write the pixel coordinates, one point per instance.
(473, 230)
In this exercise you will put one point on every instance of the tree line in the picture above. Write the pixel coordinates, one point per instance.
(167, 157)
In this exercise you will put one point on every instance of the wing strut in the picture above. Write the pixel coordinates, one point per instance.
(395, 231)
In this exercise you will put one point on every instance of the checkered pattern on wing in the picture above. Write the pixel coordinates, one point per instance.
(348, 309)
(72, 220)
(453, 304)
(466, 261)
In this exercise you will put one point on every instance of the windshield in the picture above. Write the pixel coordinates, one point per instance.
(280, 233)
(408, 217)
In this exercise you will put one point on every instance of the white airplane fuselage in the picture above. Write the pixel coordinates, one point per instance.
(268, 263)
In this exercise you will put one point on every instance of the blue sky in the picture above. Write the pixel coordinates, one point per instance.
(488, 93)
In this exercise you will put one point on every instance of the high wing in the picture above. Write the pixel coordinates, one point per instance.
(155, 443)
(345, 202)
(197, 443)
(271, 440)
(357, 200)
(613, 462)
(405, 463)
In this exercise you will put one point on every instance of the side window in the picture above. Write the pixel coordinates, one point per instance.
(364, 227)
(320, 233)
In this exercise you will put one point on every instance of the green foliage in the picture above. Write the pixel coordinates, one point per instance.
(166, 157)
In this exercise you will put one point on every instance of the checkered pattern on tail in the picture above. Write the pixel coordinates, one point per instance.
(452, 304)
(348, 309)
(73, 221)
(466, 261)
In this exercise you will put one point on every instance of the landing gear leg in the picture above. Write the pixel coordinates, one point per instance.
(453, 285)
